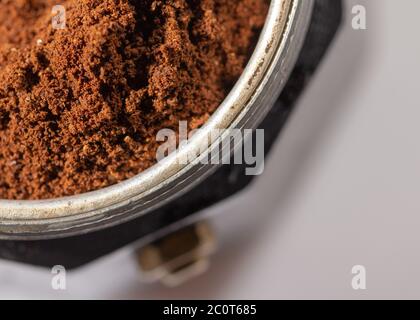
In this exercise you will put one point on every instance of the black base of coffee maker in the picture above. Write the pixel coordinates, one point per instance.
(73, 252)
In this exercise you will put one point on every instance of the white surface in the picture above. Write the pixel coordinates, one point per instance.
(342, 188)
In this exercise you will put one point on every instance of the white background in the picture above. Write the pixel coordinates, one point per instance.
(341, 188)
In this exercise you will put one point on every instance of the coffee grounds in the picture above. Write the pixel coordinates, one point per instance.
(80, 107)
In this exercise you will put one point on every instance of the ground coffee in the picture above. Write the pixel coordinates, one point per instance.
(80, 107)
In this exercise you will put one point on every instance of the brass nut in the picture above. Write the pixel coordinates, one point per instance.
(178, 256)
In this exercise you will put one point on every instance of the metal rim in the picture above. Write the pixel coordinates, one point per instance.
(245, 106)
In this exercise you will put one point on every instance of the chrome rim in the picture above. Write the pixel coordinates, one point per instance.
(245, 106)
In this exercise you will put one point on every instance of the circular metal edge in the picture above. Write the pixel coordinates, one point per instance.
(246, 105)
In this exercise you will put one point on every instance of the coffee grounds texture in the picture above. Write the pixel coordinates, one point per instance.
(80, 107)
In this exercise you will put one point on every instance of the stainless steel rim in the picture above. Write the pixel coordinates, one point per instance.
(246, 105)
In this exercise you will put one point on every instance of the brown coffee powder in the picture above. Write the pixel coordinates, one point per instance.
(80, 107)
